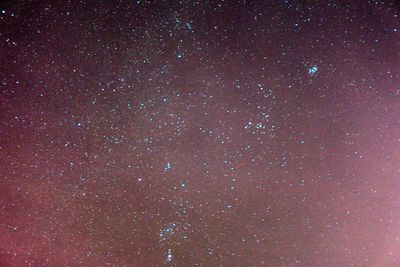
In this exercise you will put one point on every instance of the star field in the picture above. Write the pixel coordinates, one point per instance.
(200, 133)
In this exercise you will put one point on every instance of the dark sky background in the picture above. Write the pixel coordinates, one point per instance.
(200, 133)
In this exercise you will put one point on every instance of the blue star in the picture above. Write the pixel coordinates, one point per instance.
(312, 70)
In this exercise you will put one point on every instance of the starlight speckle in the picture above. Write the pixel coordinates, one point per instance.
(168, 166)
(169, 255)
(260, 126)
(199, 133)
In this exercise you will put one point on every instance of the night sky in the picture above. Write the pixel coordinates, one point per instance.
(200, 133)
